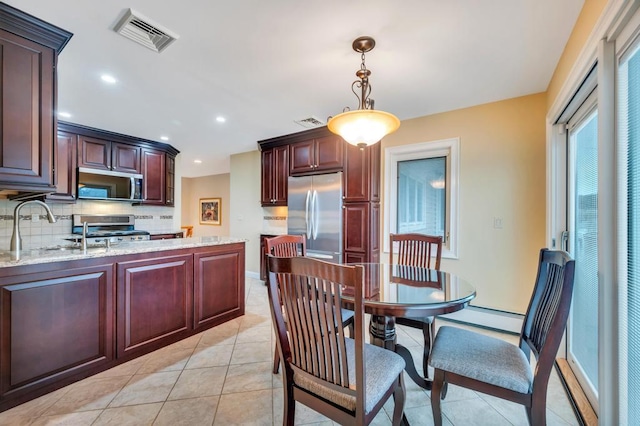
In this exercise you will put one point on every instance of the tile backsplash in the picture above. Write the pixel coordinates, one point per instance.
(37, 232)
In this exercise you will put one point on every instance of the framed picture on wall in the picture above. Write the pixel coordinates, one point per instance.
(210, 211)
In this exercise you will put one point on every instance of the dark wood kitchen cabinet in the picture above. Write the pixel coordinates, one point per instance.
(63, 321)
(218, 285)
(57, 327)
(105, 150)
(107, 155)
(360, 183)
(30, 49)
(155, 297)
(321, 154)
(64, 169)
(170, 180)
(275, 176)
(361, 178)
(153, 177)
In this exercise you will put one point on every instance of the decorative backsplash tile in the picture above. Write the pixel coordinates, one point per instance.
(274, 217)
(41, 233)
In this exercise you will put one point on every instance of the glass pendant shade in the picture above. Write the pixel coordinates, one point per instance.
(363, 127)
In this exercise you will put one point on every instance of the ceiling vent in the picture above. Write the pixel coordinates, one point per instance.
(144, 31)
(310, 122)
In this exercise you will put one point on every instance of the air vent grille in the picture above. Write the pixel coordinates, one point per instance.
(310, 122)
(144, 31)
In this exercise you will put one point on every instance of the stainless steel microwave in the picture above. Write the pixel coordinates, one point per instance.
(95, 184)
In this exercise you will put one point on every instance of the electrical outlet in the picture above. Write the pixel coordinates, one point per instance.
(497, 222)
(35, 217)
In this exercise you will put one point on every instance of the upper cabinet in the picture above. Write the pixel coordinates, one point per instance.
(170, 180)
(275, 175)
(64, 168)
(153, 180)
(29, 50)
(321, 154)
(362, 173)
(104, 150)
(107, 155)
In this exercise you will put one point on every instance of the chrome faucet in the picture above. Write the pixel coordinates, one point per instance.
(16, 239)
(85, 227)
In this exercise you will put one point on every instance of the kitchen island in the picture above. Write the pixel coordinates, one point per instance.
(66, 314)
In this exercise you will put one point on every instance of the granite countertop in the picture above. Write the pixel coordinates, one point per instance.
(62, 253)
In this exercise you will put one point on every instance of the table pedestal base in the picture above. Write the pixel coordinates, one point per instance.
(383, 333)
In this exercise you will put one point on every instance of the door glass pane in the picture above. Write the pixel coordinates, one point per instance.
(422, 196)
(629, 319)
(583, 325)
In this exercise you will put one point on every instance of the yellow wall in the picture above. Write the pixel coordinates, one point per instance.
(214, 186)
(247, 214)
(502, 174)
(591, 11)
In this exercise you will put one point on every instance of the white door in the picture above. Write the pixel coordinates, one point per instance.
(582, 244)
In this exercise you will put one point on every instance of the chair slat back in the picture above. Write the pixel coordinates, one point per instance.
(313, 340)
(418, 250)
(548, 309)
(287, 245)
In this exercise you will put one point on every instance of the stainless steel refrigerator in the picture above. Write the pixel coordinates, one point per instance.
(315, 210)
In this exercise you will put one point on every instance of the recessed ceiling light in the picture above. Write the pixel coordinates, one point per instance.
(197, 161)
(164, 138)
(108, 79)
(220, 119)
(64, 114)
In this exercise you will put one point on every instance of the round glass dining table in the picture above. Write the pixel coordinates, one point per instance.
(404, 291)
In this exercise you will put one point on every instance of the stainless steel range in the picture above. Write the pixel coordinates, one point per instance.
(107, 229)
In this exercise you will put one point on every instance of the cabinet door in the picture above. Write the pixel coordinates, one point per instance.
(65, 167)
(356, 227)
(362, 173)
(218, 285)
(280, 176)
(54, 325)
(94, 153)
(274, 176)
(125, 158)
(27, 82)
(356, 174)
(329, 153)
(302, 156)
(170, 179)
(153, 177)
(155, 299)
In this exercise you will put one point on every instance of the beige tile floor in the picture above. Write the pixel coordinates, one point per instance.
(223, 377)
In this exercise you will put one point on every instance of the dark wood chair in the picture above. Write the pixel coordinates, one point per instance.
(424, 251)
(495, 367)
(345, 379)
(293, 246)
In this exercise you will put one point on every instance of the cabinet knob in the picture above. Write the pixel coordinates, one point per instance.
(311, 166)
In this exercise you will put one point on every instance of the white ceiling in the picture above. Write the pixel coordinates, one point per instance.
(263, 64)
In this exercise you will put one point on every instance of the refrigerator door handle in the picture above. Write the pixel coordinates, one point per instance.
(308, 220)
(316, 214)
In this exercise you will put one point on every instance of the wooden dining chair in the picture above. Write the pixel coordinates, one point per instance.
(495, 367)
(293, 246)
(423, 251)
(343, 378)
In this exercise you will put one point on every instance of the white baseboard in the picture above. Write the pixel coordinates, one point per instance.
(484, 317)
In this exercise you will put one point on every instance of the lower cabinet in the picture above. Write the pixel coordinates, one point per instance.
(55, 324)
(61, 322)
(155, 297)
(218, 286)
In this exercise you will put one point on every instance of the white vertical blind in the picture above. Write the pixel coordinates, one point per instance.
(583, 323)
(629, 297)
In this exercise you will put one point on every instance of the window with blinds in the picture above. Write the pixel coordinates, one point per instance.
(629, 237)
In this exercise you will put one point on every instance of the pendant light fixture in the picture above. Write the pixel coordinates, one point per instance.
(364, 126)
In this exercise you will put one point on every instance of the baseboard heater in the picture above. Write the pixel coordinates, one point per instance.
(488, 318)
